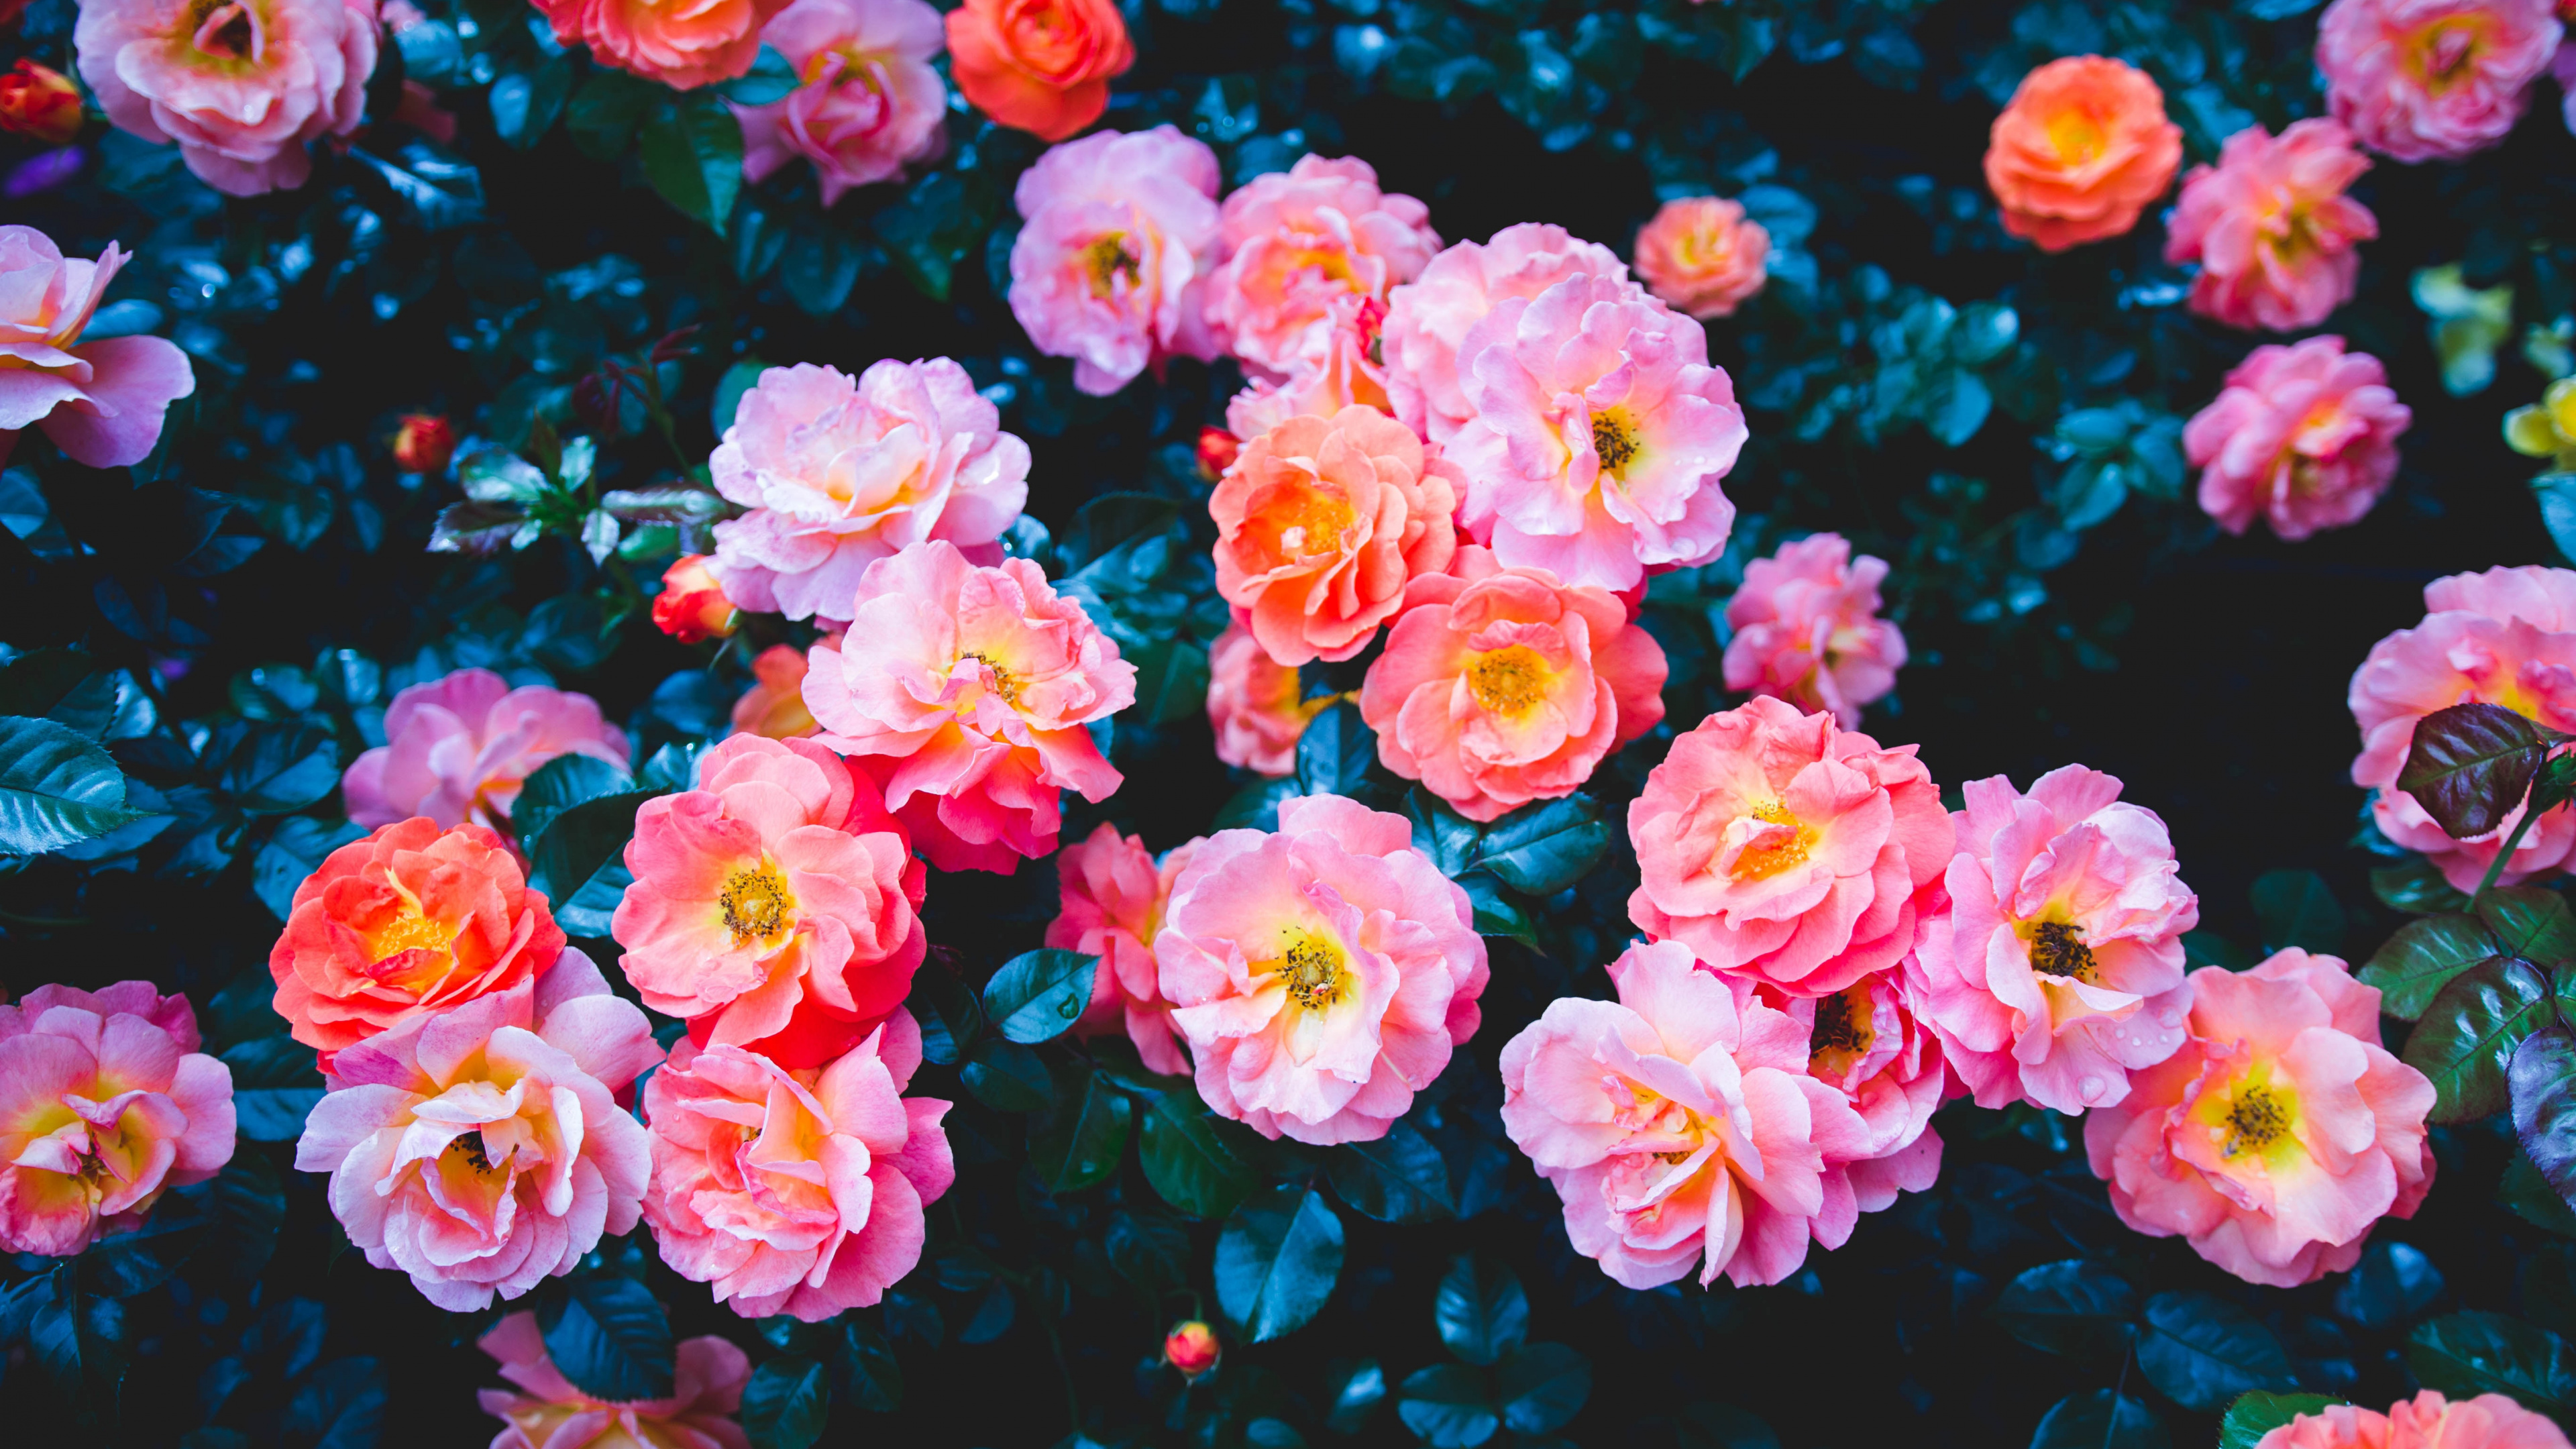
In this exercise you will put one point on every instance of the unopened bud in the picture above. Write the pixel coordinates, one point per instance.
(1217, 451)
(424, 443)
(692, 606)
(1191, 1347)
(41, 104)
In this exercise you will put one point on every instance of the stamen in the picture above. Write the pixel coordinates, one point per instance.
(1108, 257)
(2254, 1121)
(755, 904)
(1005, 683)
(1313, 972)
(2057, 950)
(1613, 441)
(1842, 1033)
(1508, 680)
(1770, 860)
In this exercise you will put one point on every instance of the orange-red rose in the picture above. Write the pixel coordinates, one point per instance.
(1042, 66)
(40, 104)
(2080, 152)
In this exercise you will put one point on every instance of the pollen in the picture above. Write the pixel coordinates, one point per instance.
(1312, 972)
(1316, 526)
(1614, 440)
(1842, 1033)
(470, 1147)
(1107, 258)
(2057, 950)
(1005, 683)
(2255, 1121)
(1508, 680)
(1770, 860)
(755, 904)
(410, 932)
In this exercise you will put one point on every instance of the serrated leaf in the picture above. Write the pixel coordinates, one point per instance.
(582, 845)
(2256, 1414)
(692, 154)
(1277, 1260)
(1038, 994)
(2542, 1085)
(61, 685)
(2422, 958)
(2531, 922)
(2470, 765)
(609, 1336)
(1543, 848)
(2467, 1354)
(2467, 1036)
(57, 787)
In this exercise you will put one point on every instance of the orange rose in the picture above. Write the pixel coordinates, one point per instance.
(2081, 151)
(1041, 66)
(692, 606)
(40, 104)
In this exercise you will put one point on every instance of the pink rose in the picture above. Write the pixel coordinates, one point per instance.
(2271, 228)
(840, 472)
(773, 904)
(458, 748)
(1702, 256)
(1428, 318)
(2504, 637)
(2058, 969)
(1254, 705)
(241, 85)
(1599, 438)
(482, 1149)
(969, 689)
(1321, 974)
(1784, 849)
(101, 402)
(2426, 1421)
(796, 1192)
(2279, 1134)
(681, 46)
(547, 1412)
(2304, 435)
(1807, 629)
(870, 103)
(1867, 1042)
(2421, 79)
(105, 1102)
(1121, 235)
(1502, 686)
(1340, 371)
(1113, 899)
(774, 706)
(1679, 1124)
(1293, 244)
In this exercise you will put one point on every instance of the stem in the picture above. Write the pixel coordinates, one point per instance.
(2496, 867)
(1046, 1320)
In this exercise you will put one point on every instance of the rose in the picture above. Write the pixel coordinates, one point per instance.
(1041, 66)
(101, 402)
(2080, 150)
(241, 85)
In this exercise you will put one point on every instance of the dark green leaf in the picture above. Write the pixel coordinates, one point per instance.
(1956, 406)
(2258, 1413)
(1007, 1077)
(1037, 994)
(2545, 1285)
(278, 769)
(1171, 681)
(949, 1016)
(1105, 523)
(2469, 765)
(2529, 1196)
(1277, 1260)
(1723, 1426)
(866, 1372)
(610, 1337)
(558, 785)
(2074, 1306)
(2202, 1351)
(818, 266)
(1150, 1251)
(2542, 1084)
(1449, 840)
(1480, 1310)
(57, 787)
(2391, 1284)
(1497, 914)
(1447, 1407)
(1399, 1178)
(2422, 958)
(248, 1203)
(341, 1407)
(929, 231)
(140, 1261)
(1187, 1161)
(2296, 909)
(692, 153)
(1542, 1387)
(1079, 1143)
(2099, 1419)
(2467, 1354)
(1254, 807)
(60, 685)
(81, 1340)
(606, 110)
(2469, 1032)
(1542, 848)
(2531, 922)
(525, 105)
(274, 1086)
(1335, 752)
(2413, 885)
(1356, 1386)
(786, 1403)
(584, 844)
(294, 851)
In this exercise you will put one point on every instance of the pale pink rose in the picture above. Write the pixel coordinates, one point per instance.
(1321, 974)
(1427, 318)
(1500, 686)
(870, 102)
(2303, 435)
(796, 1192)
(241, 85)
(1600, 435)
(101, 402)
(2057, 970)
(968, 689)
(1341, 371)
(2271, 227)
(1254, 706)
(1113, 895)
(2426, 1421)
(1114, 260)
(1867, 1042)
(839, 472)
(1700, 254)
(773, 905)
(1784, 849)
(1807, 629)
(105, 1103)
(1679, 1124)
(682, 46)
(2426, 79)
(1293, 244)
(2503, 637)
(482, 1150)
(2279, 1134)
(458, 748)
(547, 1412)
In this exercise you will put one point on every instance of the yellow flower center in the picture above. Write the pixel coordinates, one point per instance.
(2255, 1120)
(1508, 680)
(1842, 1034)
(470, 1148)
(2058, 949)
(2076, 136)
(756, 904)
(1311, 969)
(391, 944)
(1763, 861)
(1315, 525)
(2446, 50)
(1005, 683)
(1615, 439)
(1108, 257)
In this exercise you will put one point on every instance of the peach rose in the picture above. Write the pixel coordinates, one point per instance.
(2424, 80)
(458, 748)
(1119, 241)
(1427, 319)
(1807, 629)
(547, 1412)
(1113, 896)
(241, 85)
(692, 606)
(1322, 974)
(411, 921)
(871, 101)
(1867, 1042)
(2080, 151)
(2303, 435)
(1254, 705)
(2426, 1421)
(101, 402)
(1340, 371)
(2271, 227)
(40, 103)
(775, 704)
(1783, 849)
(683, 46)
(1320, 525)
(1041, 66)
(1502, 686)
(105, 1103)
(1292, 244)
(1701, 255)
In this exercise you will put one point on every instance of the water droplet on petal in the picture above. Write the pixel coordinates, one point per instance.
(2091, 1088)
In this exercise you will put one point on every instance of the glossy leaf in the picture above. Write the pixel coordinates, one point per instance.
(2468, 1035)
(2100, 1419)
(2542, 1086)
(692, 154)
(1007, 1077)
(1277, 1260)
(2202, 1351)
(2392, 1283)
(558, 785)
(1542, 1387)
(580, 861)
(2467, 1354)
(2422, 958)
(786, 1403)
(2296, 908)
(2073, 1307)
(1187, 1160)
(2528, 1195)
(865, 1372)
(2531, 922)
(1037, 994)
(341, 1407)
(57, 787)
(1447, 1407)
(2256, 1414)
(274, 1087)
(1335, 752)
(1480, 1310)
(609, 1336)
(2470, 765)
(1080, 1142)
(1398, 1178)
(1542, 848)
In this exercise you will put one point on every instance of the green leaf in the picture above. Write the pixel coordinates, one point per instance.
(605, 112)
(1956, 405)
(2469, 765)
(279, 769)
(1480, 1310)
(138, 1262)
(294, 851)
(2392, 1283)
(2201, 1351)
(1079, 1144)
(2295, 908)
(609, 1337)
(771, 79)
(2469, 1032)
(786, 1403)
(929, 231)
(1186, 1159)
(1542, 1387)
(1355, 1386)
(1496, 913)
(2542, 1086)
(2528, 1195)
(1254, 807)
(2100, 1419)
(274, 1087)
(558, 785)
(1335, 752)
(866, 1372)
(1449, 840)
(1171, 681)
(2467, 1354)
(1007, 1077)
(525, 104)
(81, 1340)
(60, 685)
(2258, 1413)
(2422, 958)
(1543, 848)
(1037, 994)
(949, 1016)
(579, 861)
(1399, 1178)
(341, 1407)
(2531, 922)
(57, 787)
(2414, 886)
(1277, 1259)
(1446, 1406)
(2074, 1307)
(692, 153)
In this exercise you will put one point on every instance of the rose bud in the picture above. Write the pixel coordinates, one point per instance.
(40, 104)
(1217, 451)
(424, 443)
(1192, 1348)
(692, 606)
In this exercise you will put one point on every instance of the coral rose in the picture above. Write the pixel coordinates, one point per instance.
(1253, 704)
(971, 688)
(1321, 974)
(2303, 435)
(1679, 1125)
(775, 704)
(683, 46)
(2426, 1421)
(841, 472)
(1428, 318)
(1701, 255)
(1320, 525)
(241, 85)
(2503, 637)
(1041, 66)
(1600, 435)
(458, 748)
(1120, 238)
(101, 402)
(1502, 686)
(1340, 371)
(870, 103)
(2279, 1134)
(39, 103)
(1113, 896)
(795, 1191)
(2058, 969)
(2433, 79)
(692, 606)
(481, 1149)
(1293, 244)
(411, 921)
(1192, 1347)
(547, 1412)
(1807, 629)
(772, 905)
(1786, 850)
(2080, 151)
(2271, 227)
(105, 1103)
(1867, 1042)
